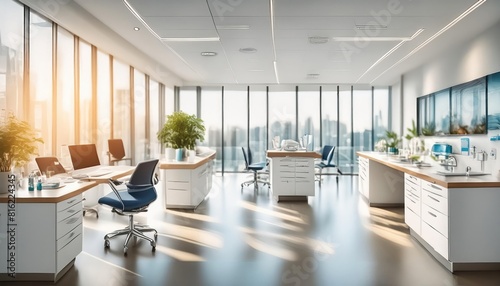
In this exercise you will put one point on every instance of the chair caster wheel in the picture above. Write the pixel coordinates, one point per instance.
(106, 244)
(125, 251)
(83, 213)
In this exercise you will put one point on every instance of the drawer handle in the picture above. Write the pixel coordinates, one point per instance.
(412, 201)
(433, 198)
(72, 220)
(70, 202)
(71, 211)
(71, 234)
(432, 214)
(436, 187)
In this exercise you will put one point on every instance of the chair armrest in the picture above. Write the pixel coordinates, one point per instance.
(115, 190)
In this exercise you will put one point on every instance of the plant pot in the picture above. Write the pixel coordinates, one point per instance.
(392, 150)
(170, 154)
(6, 179)
(179, 154)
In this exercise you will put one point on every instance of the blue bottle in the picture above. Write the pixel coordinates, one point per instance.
(39, 185)
(31, 182)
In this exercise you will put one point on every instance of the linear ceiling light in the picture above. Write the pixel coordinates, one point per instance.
(271, 8)
(371, 27)
(444, 29)
(371, 39)
(209, 39)
(233, 27)
(390, 52)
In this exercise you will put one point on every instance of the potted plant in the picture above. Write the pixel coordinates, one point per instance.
(393, 141)
(18, 142)
(181, 131)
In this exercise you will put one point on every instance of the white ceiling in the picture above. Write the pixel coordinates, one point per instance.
(336, 62)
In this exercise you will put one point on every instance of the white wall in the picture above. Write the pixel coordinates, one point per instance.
(472, 60)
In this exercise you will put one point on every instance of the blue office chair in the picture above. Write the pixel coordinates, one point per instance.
(136, 198)
(254, 168)
(326, 161)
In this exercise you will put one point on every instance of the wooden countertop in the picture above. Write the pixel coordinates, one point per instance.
(198, 161)
(50, 195)
(303, 154)
(429, 173)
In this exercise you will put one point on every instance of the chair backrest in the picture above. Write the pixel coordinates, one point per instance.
(143, 174)
(329, 158)
(245, 156)
(327, 149)
(116, 149)
(83, 156)
(49, 164)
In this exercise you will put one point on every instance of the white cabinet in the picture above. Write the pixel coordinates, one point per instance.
(364, 176)
(435, 217)
(292, 176)
(48, 237)
(413, 202)
(187, 188)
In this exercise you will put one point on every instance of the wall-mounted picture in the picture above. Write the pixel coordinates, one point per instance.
(494, 101)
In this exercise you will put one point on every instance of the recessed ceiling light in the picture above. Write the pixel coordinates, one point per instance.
(136, 28)
(208, 54)
(248, 50)
(318, 40)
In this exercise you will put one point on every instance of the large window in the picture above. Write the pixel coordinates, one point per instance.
(121, 103)
(11, 59)
(257, 122)
(41, 110)
(188, 100)
(282, 112)
(85, 92)
(235, 128)
(345, 147)
(154, 119)
(309, 115)
(140, 143)
(381, 113)
(104, 102)
(362, 122)
(65, 93)
(211, 113)
(329, 106)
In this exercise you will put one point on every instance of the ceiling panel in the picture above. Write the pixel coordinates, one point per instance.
(295, 21)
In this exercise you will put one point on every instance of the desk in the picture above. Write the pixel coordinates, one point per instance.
(48, 230)
(454, 218)
(292, 174)
(186, 184)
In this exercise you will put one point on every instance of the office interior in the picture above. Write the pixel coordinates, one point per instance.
(78, 72)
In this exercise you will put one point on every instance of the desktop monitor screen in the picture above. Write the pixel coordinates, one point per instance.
(49, 164)
(83, 156)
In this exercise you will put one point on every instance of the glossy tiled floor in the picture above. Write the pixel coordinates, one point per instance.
(241, 237)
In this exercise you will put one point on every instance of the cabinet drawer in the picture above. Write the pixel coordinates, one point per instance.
(413, 204)
(412, 179)
(70, 211)
(304, 188)
(436, 189)
(64, 226)
(61, 206)
(435, 219)
(436, 202)
(178, 196)
(435, 239)
(412, 220)
(412, 189)
(303, 163)
(69, 252)
(178, 175)
(68, 237)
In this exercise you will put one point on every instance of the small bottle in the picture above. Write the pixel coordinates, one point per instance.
(39, 185)
(31, 182)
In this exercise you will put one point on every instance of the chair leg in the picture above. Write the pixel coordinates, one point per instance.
(132, 230)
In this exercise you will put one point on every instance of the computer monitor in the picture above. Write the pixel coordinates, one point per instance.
(49, 165)
(83, 156)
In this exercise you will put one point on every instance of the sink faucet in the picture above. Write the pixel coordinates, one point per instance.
(451, 161)
(467, 170)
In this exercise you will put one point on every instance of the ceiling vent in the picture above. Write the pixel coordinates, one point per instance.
(318, 40)
(248, 50)
(313, 75)
(208, 54)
